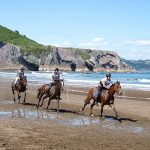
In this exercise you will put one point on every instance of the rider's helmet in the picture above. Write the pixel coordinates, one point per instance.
(22, 68)
(57, 69)
(108, 75)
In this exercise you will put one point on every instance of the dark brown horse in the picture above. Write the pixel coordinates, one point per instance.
(53, 93)
(20, 87)
(106, 98)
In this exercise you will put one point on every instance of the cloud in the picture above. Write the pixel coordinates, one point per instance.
(95, 43)
(63, 44)
(139, 42)
(143, 43)
(137, 49)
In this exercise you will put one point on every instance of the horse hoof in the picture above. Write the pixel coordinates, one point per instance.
(81, 109)
(101, 117)
(118, 118)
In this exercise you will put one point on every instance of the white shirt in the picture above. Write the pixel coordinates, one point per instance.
(20, 73)
(56, 76)
(106, 82)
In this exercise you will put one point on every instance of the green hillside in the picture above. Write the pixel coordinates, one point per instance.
(27, 45)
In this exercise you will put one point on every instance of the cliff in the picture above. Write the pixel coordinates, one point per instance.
(17, 49)
(68, 59)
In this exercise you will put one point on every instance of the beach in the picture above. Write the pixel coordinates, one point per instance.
(22, 126)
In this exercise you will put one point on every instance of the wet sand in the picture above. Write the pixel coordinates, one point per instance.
(22, 126)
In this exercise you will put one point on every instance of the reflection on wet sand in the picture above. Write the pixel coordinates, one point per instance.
(75, 120)
(25, 113)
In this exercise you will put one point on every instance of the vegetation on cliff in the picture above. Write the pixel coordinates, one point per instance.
(16, 47)
(27, 45)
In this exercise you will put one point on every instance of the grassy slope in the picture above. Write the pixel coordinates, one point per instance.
(27, 45)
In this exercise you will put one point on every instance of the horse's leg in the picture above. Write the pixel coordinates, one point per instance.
(58, 100)
(92, 105)
(87, 101)
(45, 96)
(14, 95)
(49, 102)
(102, 106)
(113, 107)
(19, 96)
(24, 97)
(40, 97)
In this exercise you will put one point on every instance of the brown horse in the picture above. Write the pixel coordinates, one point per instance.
(20, 87)
(106, 98)
(53, 93)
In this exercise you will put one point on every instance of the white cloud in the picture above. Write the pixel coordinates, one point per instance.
(63, 44)
(96, 43)
(143, 43)
(138, 49)
(139, 42)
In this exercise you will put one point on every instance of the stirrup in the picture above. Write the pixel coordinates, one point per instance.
(96, 103)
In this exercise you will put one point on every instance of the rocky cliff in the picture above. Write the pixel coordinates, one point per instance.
(68, 59)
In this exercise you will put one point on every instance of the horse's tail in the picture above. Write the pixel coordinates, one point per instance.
(12, 87)
(89, 96)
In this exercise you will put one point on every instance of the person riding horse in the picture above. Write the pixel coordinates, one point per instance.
(51, 90)
(105, 83)
(55, 77)
(20, 75)
(19, 85)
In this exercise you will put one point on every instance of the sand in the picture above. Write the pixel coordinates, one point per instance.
(22, 126)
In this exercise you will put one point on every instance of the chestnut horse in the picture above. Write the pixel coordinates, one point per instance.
(106, 98)
(53, 93)
(20, 87)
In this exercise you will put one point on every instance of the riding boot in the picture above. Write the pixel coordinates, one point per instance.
(98, 96)
(96, 103)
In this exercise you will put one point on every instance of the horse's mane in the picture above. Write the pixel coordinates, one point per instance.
(114, 84)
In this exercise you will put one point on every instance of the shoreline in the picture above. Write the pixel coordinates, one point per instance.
(78, 90)
(80, 70)
(75, 96)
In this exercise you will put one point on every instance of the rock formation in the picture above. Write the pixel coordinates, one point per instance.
(67, 59)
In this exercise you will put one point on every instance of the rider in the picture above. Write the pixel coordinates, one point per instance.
(105, 83)
(55, 77)
(20, 75)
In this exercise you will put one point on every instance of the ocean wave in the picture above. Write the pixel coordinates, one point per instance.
(144, 80)
(136, 86)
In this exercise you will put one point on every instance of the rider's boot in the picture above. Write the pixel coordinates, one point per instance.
(96, 102)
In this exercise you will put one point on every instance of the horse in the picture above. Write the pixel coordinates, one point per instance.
(53, 93)
(20, 87)
(106, 98)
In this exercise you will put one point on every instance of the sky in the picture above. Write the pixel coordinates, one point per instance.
(122, 26)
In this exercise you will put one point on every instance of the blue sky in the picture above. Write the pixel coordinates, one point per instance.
(122, 26)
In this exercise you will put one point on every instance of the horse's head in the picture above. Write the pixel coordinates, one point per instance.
(24, 81)
(58, 84)
(117, 87)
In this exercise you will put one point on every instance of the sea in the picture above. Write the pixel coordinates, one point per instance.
(129, 80)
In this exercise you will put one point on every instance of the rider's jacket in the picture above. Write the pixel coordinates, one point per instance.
(56, 76)
(20, 74)
(106, 83)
